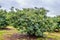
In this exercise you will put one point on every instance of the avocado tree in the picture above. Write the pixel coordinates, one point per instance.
(31, 21)
(3, 22)
(58, 23)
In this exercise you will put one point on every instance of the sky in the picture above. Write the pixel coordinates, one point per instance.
(52, 5)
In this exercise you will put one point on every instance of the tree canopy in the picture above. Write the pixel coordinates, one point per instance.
(32, 21)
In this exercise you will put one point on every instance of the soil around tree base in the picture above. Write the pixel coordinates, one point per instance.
(19, 37)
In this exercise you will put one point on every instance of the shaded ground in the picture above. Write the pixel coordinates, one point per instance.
(20, 37)
(25, 37)
(11, 33)
(5, 29)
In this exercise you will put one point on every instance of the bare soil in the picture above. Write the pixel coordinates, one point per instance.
(19, 37)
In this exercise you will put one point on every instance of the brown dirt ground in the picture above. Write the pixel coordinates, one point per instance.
(19, 37)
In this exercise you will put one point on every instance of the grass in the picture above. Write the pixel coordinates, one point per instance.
(9, 32)
(54, 35)
(50, 36)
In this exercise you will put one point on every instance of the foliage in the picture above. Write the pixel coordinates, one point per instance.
(58, 22)
(3, 22)
(33, 21)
